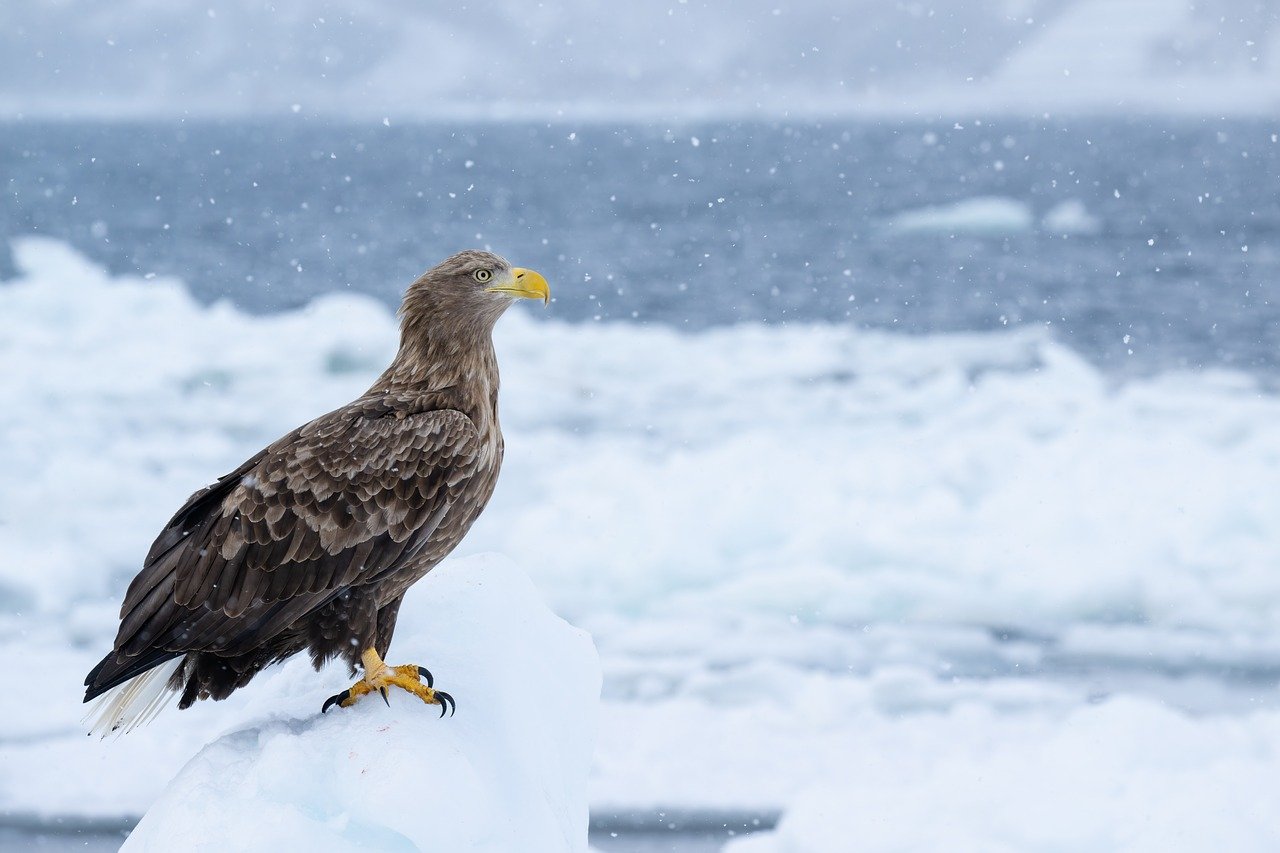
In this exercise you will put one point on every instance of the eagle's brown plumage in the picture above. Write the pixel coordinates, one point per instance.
(312, 542)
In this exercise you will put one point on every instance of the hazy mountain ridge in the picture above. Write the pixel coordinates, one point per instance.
(497, 57)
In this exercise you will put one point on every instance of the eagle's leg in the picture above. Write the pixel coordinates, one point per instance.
(378, 677)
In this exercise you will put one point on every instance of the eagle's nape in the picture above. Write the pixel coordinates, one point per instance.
(378, 677)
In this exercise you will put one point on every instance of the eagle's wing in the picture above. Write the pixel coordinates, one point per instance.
(341, 501)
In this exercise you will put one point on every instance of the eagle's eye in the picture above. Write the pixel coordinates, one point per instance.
(482, 275)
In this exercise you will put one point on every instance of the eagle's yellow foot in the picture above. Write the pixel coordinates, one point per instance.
(378, 676)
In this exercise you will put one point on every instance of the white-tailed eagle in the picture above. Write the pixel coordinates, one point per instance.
(312, 542)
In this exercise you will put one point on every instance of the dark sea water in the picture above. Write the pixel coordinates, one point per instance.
(657, 832)
(699, 225)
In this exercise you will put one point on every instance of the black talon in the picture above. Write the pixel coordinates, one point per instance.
(445, 702)
(334, 700)
(426, 675)
(383, 691)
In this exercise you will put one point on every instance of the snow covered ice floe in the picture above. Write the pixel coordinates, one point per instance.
(1070, 217)
(920, 525)
(507, 772)
(1124, 775)
(985, 215)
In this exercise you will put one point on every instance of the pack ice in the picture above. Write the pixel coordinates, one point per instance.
(507, 772)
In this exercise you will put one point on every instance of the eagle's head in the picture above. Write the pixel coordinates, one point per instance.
(470, 289)
(448, 314)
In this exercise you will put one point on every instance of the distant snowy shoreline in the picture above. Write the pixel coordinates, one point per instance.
(382, 58)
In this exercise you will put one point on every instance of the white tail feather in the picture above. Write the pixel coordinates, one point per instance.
(134, 703)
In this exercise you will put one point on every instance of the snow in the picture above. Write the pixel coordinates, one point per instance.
(813, 546)
(985, 215)
(379, 58)
(507, 772)
(1126, 775)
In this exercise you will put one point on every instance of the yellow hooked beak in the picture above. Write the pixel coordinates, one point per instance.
(524, 283)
